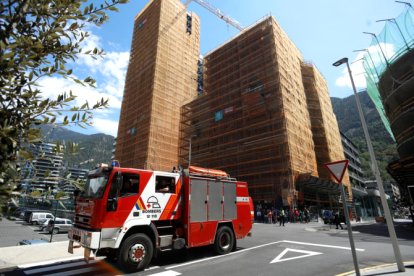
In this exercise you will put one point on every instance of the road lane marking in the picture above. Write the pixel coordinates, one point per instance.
(279, 259)
(166, 273)
(24, 266)
(55, 267)
(220, 256)
(259, 246)
(324, 245)
(75, 272)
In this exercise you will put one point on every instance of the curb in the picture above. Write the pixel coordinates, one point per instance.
(376, 268)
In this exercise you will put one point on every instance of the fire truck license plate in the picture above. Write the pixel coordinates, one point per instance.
(75, 234)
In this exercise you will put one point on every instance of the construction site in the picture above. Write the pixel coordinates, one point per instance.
(160, 79)
(264, 115)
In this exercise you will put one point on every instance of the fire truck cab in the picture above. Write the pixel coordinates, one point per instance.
(131, 214)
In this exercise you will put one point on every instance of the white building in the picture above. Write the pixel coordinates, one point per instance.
(43, 172)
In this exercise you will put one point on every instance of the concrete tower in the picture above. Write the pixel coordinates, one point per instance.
(161, 77)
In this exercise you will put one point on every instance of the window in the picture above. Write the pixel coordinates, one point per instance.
(164, 184)
(189, 20)
(130, 185)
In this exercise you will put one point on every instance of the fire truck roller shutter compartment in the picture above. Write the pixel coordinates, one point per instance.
(198, 210)
(230, 198)
(215, 200)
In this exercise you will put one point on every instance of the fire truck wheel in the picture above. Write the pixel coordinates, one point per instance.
(135, 253)
(224, 242)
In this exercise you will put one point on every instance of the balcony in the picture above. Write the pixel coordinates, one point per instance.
(359, 191)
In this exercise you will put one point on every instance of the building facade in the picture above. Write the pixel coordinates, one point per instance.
(75, 174)
(161, 77)
(266, 118)
(44, 171)
(395, 86)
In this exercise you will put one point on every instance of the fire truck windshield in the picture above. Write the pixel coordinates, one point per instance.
(95, 186)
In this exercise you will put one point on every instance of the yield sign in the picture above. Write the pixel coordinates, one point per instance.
(306, 253)
(337, 169)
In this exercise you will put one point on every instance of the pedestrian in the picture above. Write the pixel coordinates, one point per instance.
(296, 214)
(282, 217)
(338, 220)
(306, 212)
(269, 216)
(258, 215)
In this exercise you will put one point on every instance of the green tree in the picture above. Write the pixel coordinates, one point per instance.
(39, 38)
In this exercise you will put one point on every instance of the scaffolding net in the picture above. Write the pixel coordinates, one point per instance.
(395, 39)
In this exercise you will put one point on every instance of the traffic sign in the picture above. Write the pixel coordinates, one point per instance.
(337, 169)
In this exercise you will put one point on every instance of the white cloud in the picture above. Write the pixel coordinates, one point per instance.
(109, 73)
(375, 56)
(53, 86)
(357, 70)
(106, 126)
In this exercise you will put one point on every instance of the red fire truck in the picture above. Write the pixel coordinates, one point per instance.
(130, 215)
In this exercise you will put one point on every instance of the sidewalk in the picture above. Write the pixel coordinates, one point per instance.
(26, 255)
(385, 269)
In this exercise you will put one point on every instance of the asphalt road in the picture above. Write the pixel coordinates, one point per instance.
(296, 249)
(11, 232)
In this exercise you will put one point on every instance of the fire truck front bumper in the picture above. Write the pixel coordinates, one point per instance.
(87, 239)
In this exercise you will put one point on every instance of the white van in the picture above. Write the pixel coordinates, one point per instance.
(37, 217)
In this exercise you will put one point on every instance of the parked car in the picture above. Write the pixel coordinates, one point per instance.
(37, 217)
(19, 212)
(28, 213)
(29, 242)
(59, 225)
(43, 224)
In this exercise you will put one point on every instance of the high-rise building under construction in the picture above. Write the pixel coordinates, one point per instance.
(265, 115)
(266, 118)
(161, 77)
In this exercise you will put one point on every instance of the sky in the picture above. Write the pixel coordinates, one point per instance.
(323, 30)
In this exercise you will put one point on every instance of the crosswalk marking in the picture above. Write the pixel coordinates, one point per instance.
(166, 273)
(54, 267)
(74, 272)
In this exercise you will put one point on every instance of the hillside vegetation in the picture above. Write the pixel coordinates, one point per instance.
(349, 123)
(96, 146)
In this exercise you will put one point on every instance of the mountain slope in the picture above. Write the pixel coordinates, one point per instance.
(96, 146)
(349, 123)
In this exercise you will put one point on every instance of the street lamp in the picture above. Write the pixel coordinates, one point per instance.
(388, 217)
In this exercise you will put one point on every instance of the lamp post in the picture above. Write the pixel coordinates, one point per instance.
(387, 212)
